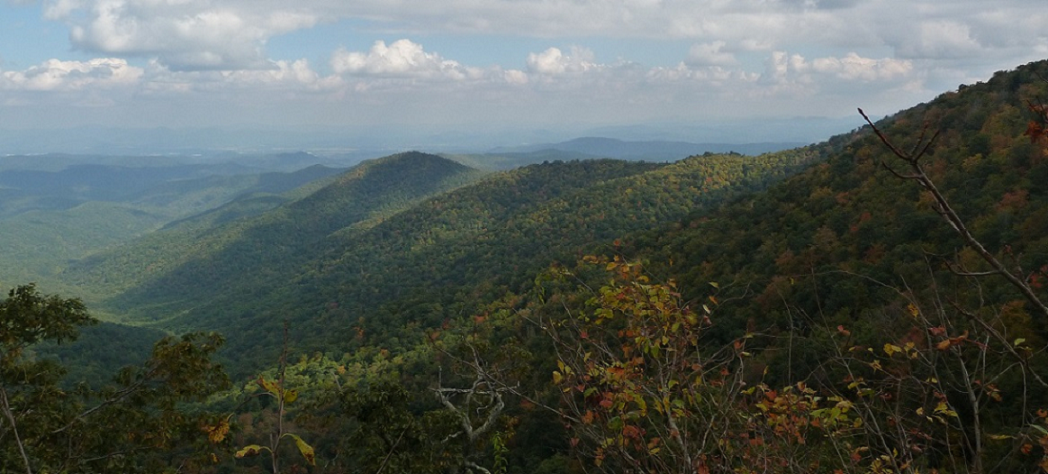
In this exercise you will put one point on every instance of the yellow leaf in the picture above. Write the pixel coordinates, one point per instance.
(249, 450)
(290, 396)
(217, 433)
(891, 349)
(305, 449)
(913, 310)
(268, 386)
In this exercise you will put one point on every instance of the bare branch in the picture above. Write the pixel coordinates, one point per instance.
(947, 212)
(14, 428)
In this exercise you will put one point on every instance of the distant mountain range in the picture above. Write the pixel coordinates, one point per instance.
(653, 150)
(361, 142)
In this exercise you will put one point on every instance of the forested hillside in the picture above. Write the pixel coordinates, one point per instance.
(870, 304)
(209, 253)
(886, 304)
(359, 256)
(68, 210)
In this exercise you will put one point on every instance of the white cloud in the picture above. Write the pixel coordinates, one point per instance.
(852, 67)
(55, 75)
(819, 56)
(232, 34)
(553, 62)
(517, 77)
(402, 58)
(782, 68)
(714, 76)
(183, 34)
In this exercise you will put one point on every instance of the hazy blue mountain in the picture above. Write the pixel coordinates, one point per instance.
(656, 150)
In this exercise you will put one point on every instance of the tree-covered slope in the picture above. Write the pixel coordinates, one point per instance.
(253, 237)
(66, 215)
(333, 271)
(845, 240)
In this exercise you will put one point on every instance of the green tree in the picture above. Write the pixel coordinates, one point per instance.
(138, 423)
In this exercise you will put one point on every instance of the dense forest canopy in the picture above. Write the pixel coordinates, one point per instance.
(873, 303)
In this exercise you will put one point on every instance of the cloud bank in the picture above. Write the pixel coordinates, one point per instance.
(716, 58)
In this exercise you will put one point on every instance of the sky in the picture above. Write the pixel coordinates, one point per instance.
(452, 66)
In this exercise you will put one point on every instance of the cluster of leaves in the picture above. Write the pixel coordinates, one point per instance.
(645, 390)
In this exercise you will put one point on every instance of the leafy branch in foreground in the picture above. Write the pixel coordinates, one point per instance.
(283, 397)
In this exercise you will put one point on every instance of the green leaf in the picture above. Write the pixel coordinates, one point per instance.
(643, 405)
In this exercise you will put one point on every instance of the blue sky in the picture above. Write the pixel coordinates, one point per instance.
(459, 65)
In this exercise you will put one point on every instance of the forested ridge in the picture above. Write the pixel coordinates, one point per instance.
(823, 309)
(335, 263)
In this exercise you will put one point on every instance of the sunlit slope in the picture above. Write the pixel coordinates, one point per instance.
(206, 255)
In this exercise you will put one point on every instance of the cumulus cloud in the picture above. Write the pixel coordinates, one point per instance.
(232, 34)
(852, 67)
(183, 34)
(55, 75)
(782, 68)
(554, 62)
(402, 58)
(709, 50)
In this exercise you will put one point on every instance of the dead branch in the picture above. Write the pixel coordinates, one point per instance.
(943, 208)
